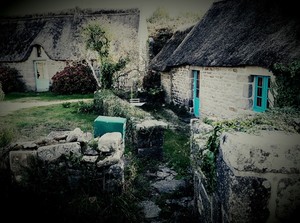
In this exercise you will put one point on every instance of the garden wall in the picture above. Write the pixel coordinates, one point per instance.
(74, 157)
(143, 132)
(257, 176)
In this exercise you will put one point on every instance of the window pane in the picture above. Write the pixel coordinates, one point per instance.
(259, 81)
(268, 79)
(258, 102)
(268, 104)
(259, 91)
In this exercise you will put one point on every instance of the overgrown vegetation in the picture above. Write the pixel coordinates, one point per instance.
(153, 92)
(276, 119)
(177, 152)
(50, 191)
(74, 79)
(6, 136)
(10, 79)
(286, 85)
(2, 95)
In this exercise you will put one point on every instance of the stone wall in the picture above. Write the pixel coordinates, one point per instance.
(149, 138)
(177, 85)
(143, 132)
(258, 176)
(77, 153)
(225, 92)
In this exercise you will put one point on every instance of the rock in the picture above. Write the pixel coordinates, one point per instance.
(109, 142)
(168, 186)
(74, 135)
(151, 210)
(53, 152)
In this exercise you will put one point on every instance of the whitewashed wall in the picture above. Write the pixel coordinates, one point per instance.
(26, 68)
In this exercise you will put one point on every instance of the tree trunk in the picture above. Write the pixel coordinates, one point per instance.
(94, 74)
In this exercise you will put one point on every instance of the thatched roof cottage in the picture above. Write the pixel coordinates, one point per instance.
(40, 45)
(221, 67)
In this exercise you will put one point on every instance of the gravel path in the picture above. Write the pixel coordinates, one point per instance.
(7, 107)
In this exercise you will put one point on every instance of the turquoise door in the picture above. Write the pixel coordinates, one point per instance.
(41, 76)
(261, 90)
(196, 93)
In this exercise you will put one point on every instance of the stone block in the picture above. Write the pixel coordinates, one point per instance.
(275, 152)
(53, 152)
(20, 161)
(288, 200)
(242, 198)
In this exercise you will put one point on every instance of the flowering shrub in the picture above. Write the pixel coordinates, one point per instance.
(10, 80)
(73, 79)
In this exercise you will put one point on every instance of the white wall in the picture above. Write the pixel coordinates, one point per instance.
(26, 68)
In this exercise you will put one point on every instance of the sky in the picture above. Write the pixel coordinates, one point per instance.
(174, 7)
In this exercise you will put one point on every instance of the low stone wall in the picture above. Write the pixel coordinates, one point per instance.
(143, 132)
(258, 176)
(149, 138)
(75, 152)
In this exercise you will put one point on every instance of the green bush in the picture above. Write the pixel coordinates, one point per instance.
(153, 92)
(11, 80)
(2, 95)
(287, 84)
(74, 79)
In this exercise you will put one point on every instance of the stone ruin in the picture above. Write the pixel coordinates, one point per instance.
(257, 175)
(78, 151)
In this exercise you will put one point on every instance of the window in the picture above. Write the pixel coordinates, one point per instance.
(38, 51)
(261, 91)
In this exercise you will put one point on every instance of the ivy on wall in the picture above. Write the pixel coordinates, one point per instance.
(286, 84)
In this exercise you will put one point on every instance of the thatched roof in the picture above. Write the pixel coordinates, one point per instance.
(158, 62)
(238, 33)
(58, 34)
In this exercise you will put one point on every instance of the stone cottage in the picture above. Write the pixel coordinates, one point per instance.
(221, 66)
(40, 45)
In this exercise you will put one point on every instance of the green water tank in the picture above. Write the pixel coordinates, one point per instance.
(105, 124)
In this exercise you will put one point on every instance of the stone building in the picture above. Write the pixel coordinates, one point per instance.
(220, 67)
(38, 46)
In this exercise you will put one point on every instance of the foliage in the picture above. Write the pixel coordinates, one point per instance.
(2, 95)
(81, 200)
(158, 15)
(109, 104)
(160, 37)
(153, 92)
(208, 158)
(6, 136)
(96, 39)
(108, 69)
(11, 80)
(286, 85)
(177, 151)
(275, 119)
(72, 79)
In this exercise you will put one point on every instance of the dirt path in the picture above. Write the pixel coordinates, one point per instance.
(7, 107)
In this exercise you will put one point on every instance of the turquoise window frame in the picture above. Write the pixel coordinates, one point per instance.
(260, 102)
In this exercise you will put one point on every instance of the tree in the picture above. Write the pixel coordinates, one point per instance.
(97, 40)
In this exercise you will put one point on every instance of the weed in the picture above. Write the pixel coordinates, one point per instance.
(6, 136)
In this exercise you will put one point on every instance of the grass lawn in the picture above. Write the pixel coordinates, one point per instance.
(33, 123)
(43, 96)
